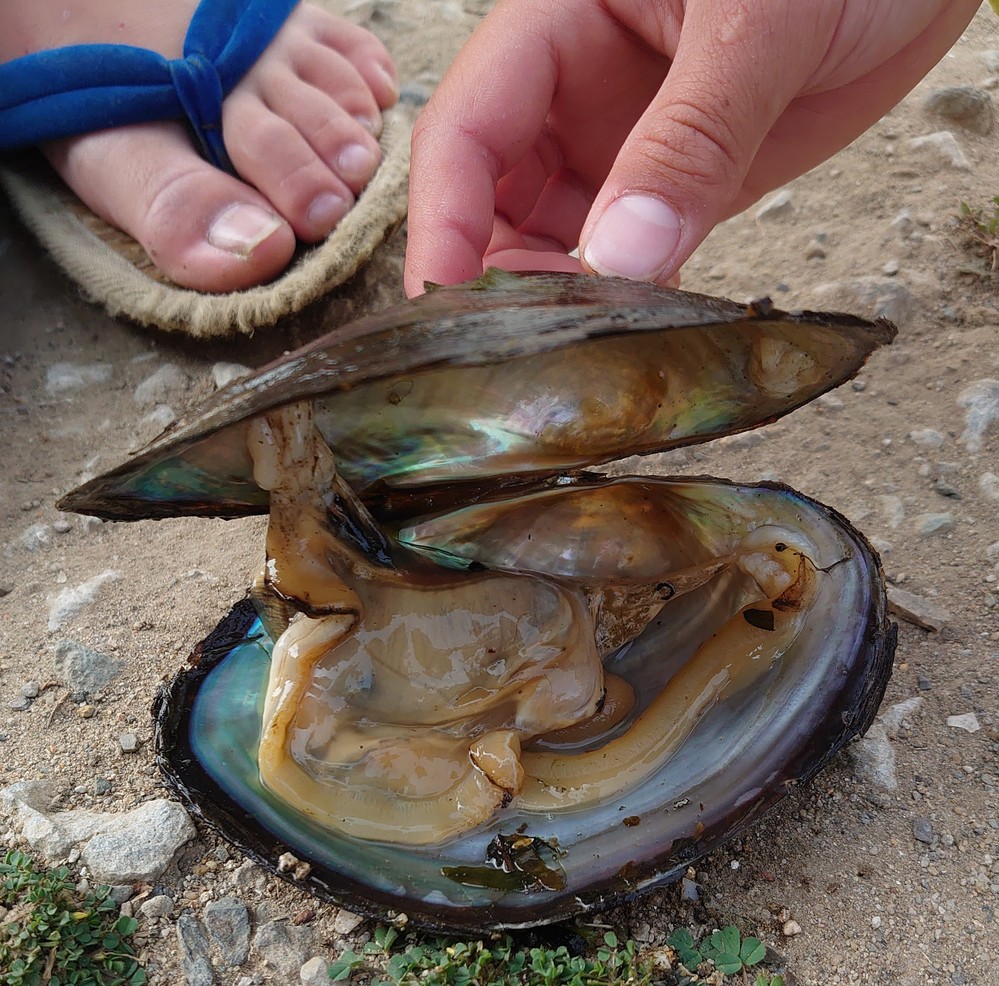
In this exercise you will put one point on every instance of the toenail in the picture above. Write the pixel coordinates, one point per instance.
(355, 163)
(372, 126)
(326, 211)
(241, 228)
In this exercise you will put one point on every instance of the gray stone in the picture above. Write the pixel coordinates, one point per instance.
(193, 948)
(915, 609)
(63, 377)
(929, 524)
(128, 742)
(967, 106)
(224, 373)
(30, 689)
(779, 204)
(991, 60)
(283, 947)
(873, 754)
(981, 403)
(927, 437)
(315, 972)
(167, 382)
(941, 148)
(228, 924)
(138, 845)
(160, 906)
(68, 603)
(19, 703)
(988, 483)
(885, 297)
(82, 670)
(120, 847)
(922, 829)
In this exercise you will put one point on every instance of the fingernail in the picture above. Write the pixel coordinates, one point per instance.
(355, 163)
(326, 211)
(241, 228)
(635, 237)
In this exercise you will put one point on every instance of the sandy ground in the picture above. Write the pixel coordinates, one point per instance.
(840, 860)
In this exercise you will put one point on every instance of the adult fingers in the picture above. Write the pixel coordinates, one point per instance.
(475, 129)
(738, 64)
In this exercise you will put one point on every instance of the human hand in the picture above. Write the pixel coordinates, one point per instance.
(631, 127)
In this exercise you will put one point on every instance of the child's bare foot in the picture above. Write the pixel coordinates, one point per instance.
(299, 129)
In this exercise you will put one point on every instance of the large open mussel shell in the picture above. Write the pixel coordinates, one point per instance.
(511, 375)
(466, 421)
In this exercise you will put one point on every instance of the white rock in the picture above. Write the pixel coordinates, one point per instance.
(981, 401)
(35, 537)
(873, 754)
(159, 418)
(117, 847)
(224, 373)
(892, 509)
(314, 972)
(943, 147)
(988, 483)
(168, 381)
(779, 204)
(967, 721)
(61, 377)
(68, 603)
(791, 928)
(346, 921)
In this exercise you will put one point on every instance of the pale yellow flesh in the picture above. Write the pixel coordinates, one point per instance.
(398, 712)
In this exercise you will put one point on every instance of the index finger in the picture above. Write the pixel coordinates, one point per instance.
(486, 114)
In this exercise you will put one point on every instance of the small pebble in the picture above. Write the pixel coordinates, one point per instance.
(314, 972)
(929, 524)
(779, 204)
(944, 148)
(30, 689)
(791, 928)
(128, 742)
(922, 829)
(967, 106)
(102, 786)
(159, 906)
(19, 703)
(967, 721)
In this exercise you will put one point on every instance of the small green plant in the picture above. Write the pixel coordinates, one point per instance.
(54, 935)
(982, 228)
(725, 949)
(500, 963)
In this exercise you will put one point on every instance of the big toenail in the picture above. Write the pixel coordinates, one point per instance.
(241, 228)
(355, 163)
(373, 127)
(326, 211)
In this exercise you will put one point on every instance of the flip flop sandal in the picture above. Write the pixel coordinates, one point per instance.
(68, 91)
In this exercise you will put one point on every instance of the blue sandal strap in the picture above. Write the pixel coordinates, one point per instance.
(68, 91)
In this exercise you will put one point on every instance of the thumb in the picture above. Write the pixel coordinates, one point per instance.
(737, 66)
